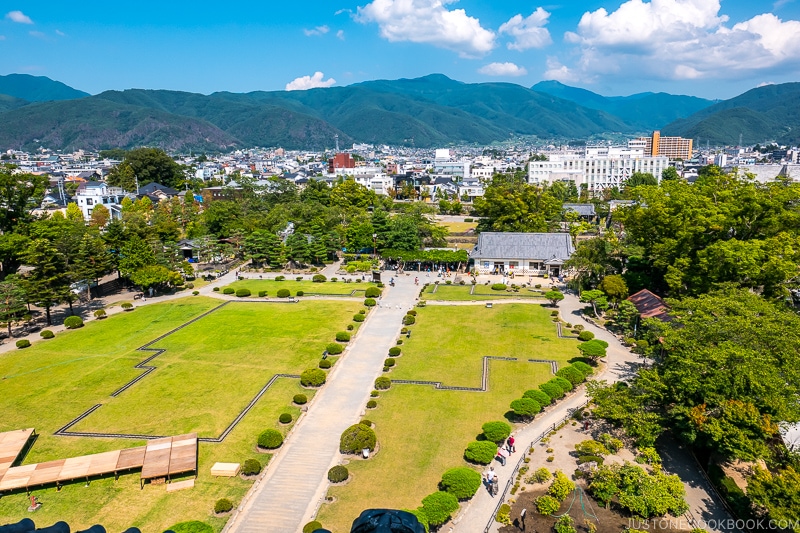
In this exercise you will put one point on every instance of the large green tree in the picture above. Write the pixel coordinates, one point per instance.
(19, 194)
(147, 165)
(47, 283)
(511, 204)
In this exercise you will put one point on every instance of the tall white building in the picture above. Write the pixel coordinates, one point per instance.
(598, 168)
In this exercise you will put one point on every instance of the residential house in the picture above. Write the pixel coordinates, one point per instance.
(93, 193)
(522, 253)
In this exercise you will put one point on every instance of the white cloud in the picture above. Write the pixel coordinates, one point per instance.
(502, 69)
(340, 35)
(319, 30)
(304, 83)
(679, 39)
(429, 22)
(19, 17)
(60, 33)
(38, 35)
(557, 71)
(528, 32)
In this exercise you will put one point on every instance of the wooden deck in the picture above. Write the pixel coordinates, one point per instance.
(160, 458)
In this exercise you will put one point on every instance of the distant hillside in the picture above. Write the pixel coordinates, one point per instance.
(769, 113)
(10, 102)
(37, 88)
(642, 111)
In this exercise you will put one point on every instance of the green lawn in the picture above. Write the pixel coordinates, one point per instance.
(210, 370)
(461, 293)
(422, 431)
(329, 288)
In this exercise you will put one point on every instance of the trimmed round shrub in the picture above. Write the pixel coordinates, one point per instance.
(73, 322)
(127, 306)
(366, 422)
(583, 368)
(343, 336)
(372, 292)
(590, 459)
(481, 452)
(195, 293)
(372, 404)
(403, 331)
(338, 474)
(300, 399)
(216, 289)
(585, 336)
(261, 294)
(389, 362)
(438, 507)
(334, 349)
(312, 526)
(228, 290)
(270, 439)
(359, 318)
(525, 407)
(300, 293)
(325, 364)
(565, 384)
(46, 334)
(242, 293)
(538, 396)
(223, 505)
(100, 313)
(561, 486)
(362, 311)
(312, 377)
(370, 302)
(23, 343)
(192, 526)
(283, 293)
(356, 438)
(394, 351)
(319, 278)
(190, 285)
(571, 374)
(420, 514)
(350, 327)
(383, 383)
(251, 467)
(411, 312)
(499, 287)
(553, 313)
(285, 418)
(280, 278)
(552, 390)
(496, 431)
(409, 320)
(547, 505)
(461, 482)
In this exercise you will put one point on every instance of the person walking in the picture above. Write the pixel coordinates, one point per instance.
(502, 455)
(510, 444)
(489, 479)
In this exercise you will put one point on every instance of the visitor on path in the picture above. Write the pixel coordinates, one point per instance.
(416, 281)
(495, 486)
(502, 455)
(490, 478)
(510, 444)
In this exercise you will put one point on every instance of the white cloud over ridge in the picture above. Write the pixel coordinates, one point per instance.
(18, 17)
(502, 69)
(528, 32)
(304, 83)
(319, 30)
(678, 39)
(429, 22)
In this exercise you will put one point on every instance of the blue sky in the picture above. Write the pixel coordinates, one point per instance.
(698, 47)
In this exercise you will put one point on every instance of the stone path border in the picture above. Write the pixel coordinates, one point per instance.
(64, 431)
(484, 376)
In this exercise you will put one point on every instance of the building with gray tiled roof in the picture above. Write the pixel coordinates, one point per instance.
(522, 253)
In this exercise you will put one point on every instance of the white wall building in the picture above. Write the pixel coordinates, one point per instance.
(92, 193)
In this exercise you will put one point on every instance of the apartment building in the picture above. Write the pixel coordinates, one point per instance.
(671, 147)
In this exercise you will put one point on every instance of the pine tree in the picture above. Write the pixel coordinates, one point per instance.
(47, 284)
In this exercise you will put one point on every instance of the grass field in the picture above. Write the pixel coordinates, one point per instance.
(459, 227)
(337, 288)
(211, 368)
(461, 293)
(422, 431)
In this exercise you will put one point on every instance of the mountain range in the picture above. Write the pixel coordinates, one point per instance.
(430, 111)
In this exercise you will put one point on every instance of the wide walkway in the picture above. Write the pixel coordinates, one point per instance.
(296, 479)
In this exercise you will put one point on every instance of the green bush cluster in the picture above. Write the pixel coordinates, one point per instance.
(591, 447)
(538, 396)
(270, 439)
(343, 336)
(552, 389)
(285, 418)
(283, 293)
(223, 505)
(565, 524)
(541, 475)
(23, 343)
(372, 404)
(100, 313)
(356, 438)
(499, 287)
(359, 318)
(496, 431)
(547, 505)
(481, 452)
(639, 492)
(585, 369)
(525, 408)
(571, 374)
(261, 294)
(242, 293)
(312, 377)
(438, 507)
(338, 474)
(411, 312)
(127, 306)
(561, 486)
(300, 399)
(334, 349)
(251, 467)
(585, 336)
(383, 383)
(47, 334)
(372, 292)
(565, 384)
(73, 322)
(394, 351)
(409, 320)
(590, 459)
(370, 302)
(319, 278)
(216, 289)
(612, 443)
(461, 482)
(300, 293)
(389, 362)
(325, 364)
(228, 290)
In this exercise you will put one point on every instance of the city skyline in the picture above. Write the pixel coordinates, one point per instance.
(695, 47)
